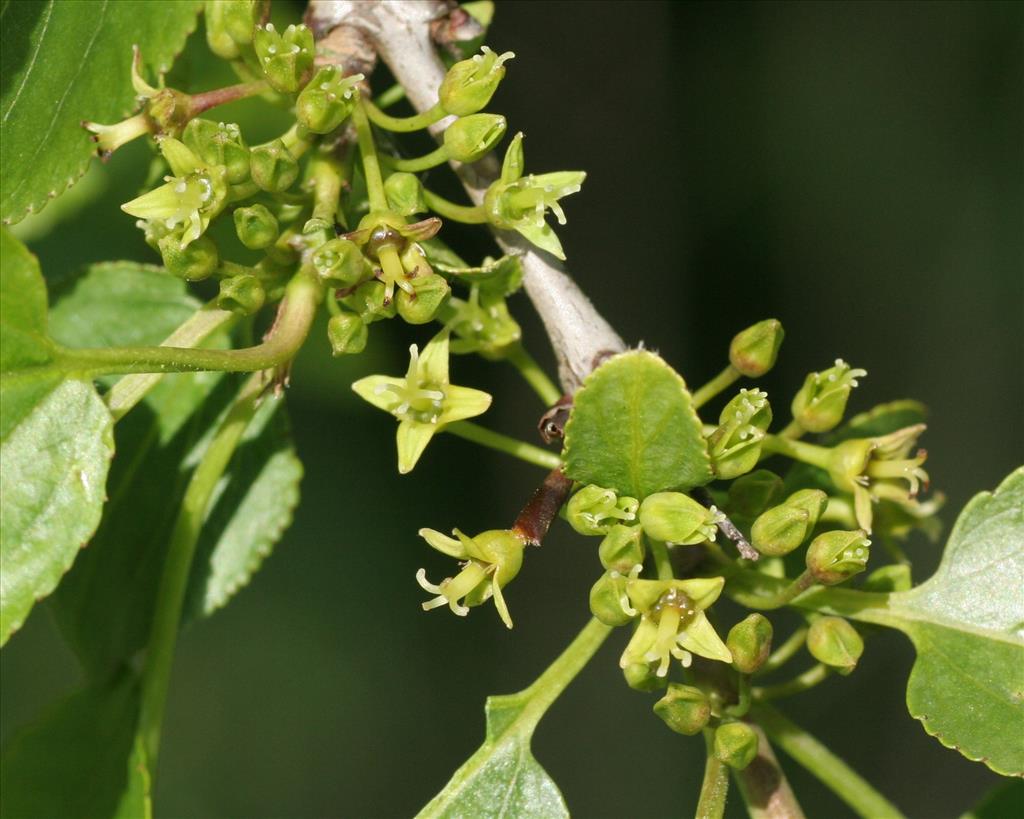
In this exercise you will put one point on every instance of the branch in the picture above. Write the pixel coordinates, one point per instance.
(399, 31)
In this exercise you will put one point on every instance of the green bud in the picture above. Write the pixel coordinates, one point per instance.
(327, 100)
(834, 642)
(750, 642)
(780, 530)
(347, 334)
(286, 59)
(606, 600)
(836, 556)
(483, 324)
(594, 510)
(421, 306)
(273, 167)
(677, 518)
(753, 351)
(751, 494)
(622, 548)
(242, 294)
(821, 401)
(684, 708)
(405, 193)
(736, 744)
(470, 138)
(369, 302)
(169, 109)
(230, 24)
(339, 262)
(735, 446)
(812, 501)
(641, 677)
(256, 227)
(894, 578)
(196, 261)
(469, 84)
(219, 143)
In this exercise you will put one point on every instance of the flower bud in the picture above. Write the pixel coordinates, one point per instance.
(622, 548)
(273, 167)
(256, 227)
(196, 261)
(677, 518)
(821, 401)
(641, 677)
(750, 642)
(242, 294)
(370, 303)
(230, 24)
(736, 744)
(470, 138)
(836, 556)
(347, 334)
(405, 193)
(169, 109)
(469, 84)
(219, 143)
(735, 446)
(420, 306)
(781, 529)
(339, 262)
(327, 100)
(751, 494)
(754, 350)
(483, 324)
(834, 642)
(893, 578)
(606, 600)
(286, 59)
(684, 708)
(594, 510)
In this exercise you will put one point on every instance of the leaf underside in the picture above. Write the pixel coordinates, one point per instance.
(633, 429)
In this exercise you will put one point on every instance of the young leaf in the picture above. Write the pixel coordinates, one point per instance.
(74, 761)
(1003, 801)
(55, 446)
(633, 429)
(967, 625)
(67, 62)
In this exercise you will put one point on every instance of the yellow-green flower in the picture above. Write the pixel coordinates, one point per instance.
(424, 401)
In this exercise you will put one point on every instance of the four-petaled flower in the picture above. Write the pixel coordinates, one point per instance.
(424, 401)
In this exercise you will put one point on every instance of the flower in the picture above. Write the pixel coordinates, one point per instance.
(469, 84)
(673, 623)
(517, 202)
(821, 401)
(424, 401)
(386, 238)
(492, 560)
(735, 445)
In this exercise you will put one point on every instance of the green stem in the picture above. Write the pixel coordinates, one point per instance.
(205, 100)
(294, 318)
(371, 162)
(764, 787)
(532, 373)
(803, 748)
(417, 122)
(778, 598)
(743, 697)
(174, 580)
(503, 443)
(327, 184)
(467, 214)
(131, 389)
(388, 97)
(415, 164)
(811, 677)
(797, 450)
(662, 561)
(715, 787)
(792, 430)
(725, 379)
(784, 653)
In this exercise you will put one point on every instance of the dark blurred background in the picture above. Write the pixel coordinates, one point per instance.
(853, 169)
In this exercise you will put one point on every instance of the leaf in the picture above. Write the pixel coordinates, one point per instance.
(104, 607)
(1002, 802)
(67, 62)
(967, 626)
(136, 799)
(55, 447)
(633, 429)
(502, 779)
(74, 761)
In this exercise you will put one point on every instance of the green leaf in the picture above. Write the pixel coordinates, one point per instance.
(63, 63)
(74, 761)
(967, 626)
(136, 799)
(502, 779)
(633, 429)
(55, 447)
(1003, 801)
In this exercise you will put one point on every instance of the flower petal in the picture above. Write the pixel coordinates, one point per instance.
(179, 157)
(703, 591)
(444, 544)
(412, 438)
(512, 166)
(463, 402)
(543, 237)
(373, 389)
(700, 637)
